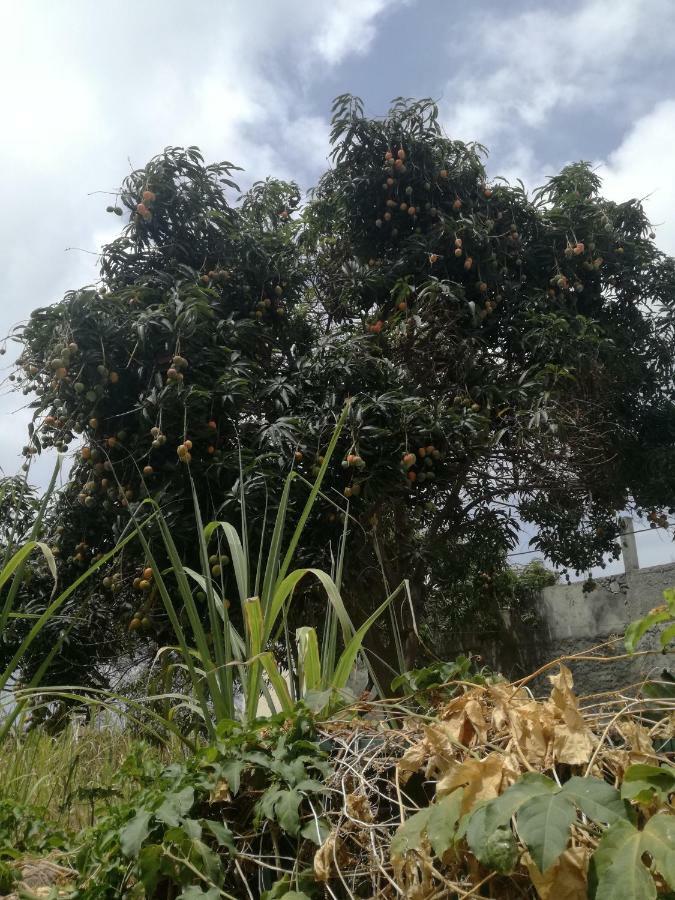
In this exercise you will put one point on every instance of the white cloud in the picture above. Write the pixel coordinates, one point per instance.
(348, 28)
(537, 64)
(642, 167)
(89, 90)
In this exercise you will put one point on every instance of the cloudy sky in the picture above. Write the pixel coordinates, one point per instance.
(90, 89)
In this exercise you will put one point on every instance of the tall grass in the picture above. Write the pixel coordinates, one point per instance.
(222, 660)
(66, 774)
(11, 578)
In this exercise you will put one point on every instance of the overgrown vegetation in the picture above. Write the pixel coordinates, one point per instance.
(508, 359)
(307, 440)
(467, 787)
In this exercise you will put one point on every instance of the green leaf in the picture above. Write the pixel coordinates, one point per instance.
(345, 664)
(409, 834)
(196, 892)
(496, 848)
(277, 681)
(543, 825)
(231, 771)
(658, 839)
(211, 866)
(280, 891)
(316, 831)
(532, 784)
(636, 630)
(286, 810)
(149, 866)
(134, 833)
(597, 799)
(192, 828)
(176, 806)
(642, 782)
(317, 700)
(442, 822)
(221, 833)
(309, 659)
(667, 636)
(618, 867)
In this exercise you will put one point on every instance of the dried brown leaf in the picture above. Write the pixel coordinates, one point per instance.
(482, 779)
(324, 857)
(573, 741)
(566, 879)
(641, 749)
(359, 808)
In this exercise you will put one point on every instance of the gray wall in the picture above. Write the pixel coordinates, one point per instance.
(569, 620)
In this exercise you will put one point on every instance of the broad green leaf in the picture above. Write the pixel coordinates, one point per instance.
(618, 868)
(176, 806)
(278, 890)
(210, 861)
(409, 834)
(658, 839)
(221, 833)
(669, 597)
(286, 810)
(149, 866)
(597, 799)
(265, 805)
(544, 824)
(667, 636)
(196, 892)
(316, 831)
(636, 630)
(192, 828)
(231, 771)
(442, 822)
(255, 638)
(496, 848)
(531, 784)
(317, 700)
(135, 832)
(641, 782)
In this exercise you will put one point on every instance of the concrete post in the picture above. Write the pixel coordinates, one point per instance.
(631, 562)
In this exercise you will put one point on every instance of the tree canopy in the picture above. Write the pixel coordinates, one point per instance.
(508, 358)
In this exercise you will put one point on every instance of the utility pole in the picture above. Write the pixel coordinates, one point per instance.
(631, 563)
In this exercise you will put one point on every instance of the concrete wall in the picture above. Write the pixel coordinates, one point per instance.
(569, 620)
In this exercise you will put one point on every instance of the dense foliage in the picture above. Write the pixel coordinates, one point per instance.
(485, 792)
(509, 360)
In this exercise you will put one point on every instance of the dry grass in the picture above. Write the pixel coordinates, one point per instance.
(483, 740)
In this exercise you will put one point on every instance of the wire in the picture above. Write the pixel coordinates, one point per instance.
(621, 534)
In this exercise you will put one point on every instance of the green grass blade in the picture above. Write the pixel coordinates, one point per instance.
(309, 663)
(219, 635)
(274, 552)
(237, 555)
(348, 656)
(300, 527)
(193, 616)
(286, 587)
(255, 640)
(277, 681)
(53, 608)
